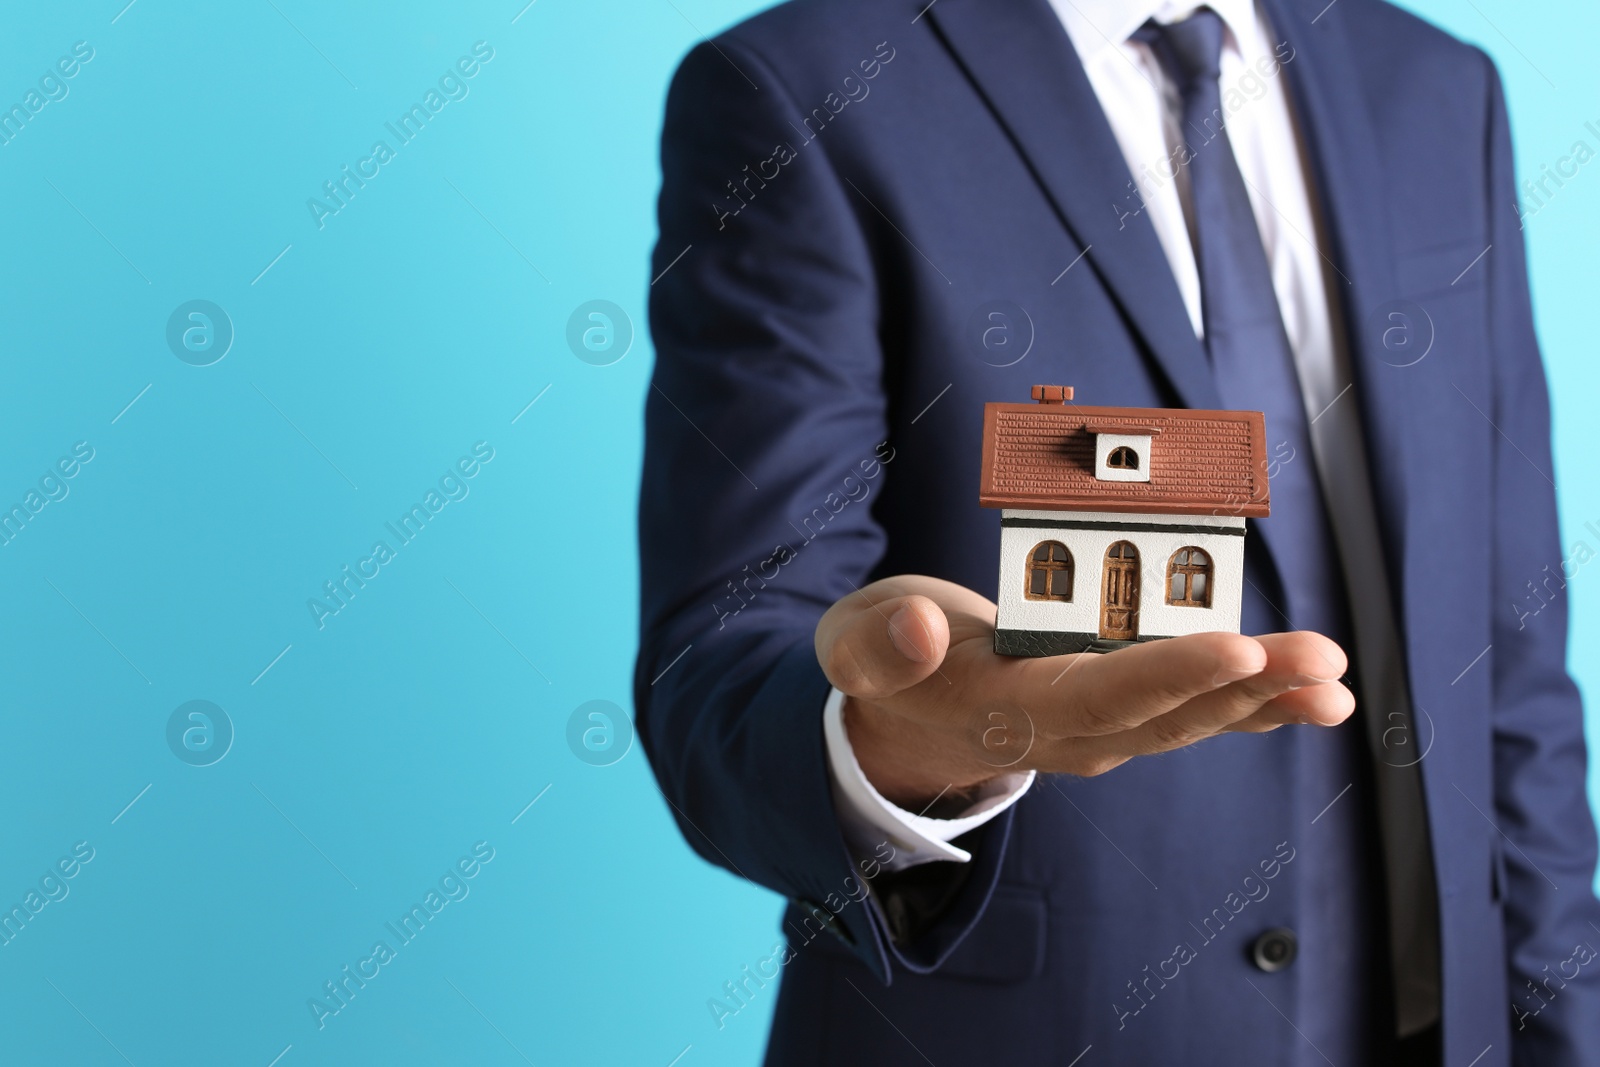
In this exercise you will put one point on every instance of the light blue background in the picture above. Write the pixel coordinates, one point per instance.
(374, 352)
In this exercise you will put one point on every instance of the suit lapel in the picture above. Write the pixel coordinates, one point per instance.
(1349, 175)
(1022, 62)
(1024, 65)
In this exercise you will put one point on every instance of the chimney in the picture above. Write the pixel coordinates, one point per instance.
(1052, 394)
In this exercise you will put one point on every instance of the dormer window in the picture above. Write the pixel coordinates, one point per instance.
(1122, 450)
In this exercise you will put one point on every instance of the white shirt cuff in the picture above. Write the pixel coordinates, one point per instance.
(869, 821)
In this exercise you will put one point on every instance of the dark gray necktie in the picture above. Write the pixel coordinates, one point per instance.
(1255, 371)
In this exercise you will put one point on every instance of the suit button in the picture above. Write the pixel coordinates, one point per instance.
(1275, 949)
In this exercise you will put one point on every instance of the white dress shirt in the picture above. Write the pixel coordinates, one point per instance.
(1143, 110)
(870, 822)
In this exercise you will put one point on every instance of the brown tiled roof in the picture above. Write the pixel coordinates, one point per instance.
(1040, 457)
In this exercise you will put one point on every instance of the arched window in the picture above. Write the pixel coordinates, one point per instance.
(1189, 579)
(1123, 458)
(1049, 572)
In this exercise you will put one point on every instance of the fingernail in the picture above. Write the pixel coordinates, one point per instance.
(1303, 680)
(900, 624)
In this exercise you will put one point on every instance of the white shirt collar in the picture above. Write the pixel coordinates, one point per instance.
(1093, 25)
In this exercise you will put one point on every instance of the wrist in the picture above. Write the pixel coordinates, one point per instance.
(905, 764)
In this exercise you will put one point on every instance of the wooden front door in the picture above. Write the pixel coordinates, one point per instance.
(1119, 597)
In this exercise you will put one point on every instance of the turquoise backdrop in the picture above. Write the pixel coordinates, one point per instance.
(242, 348)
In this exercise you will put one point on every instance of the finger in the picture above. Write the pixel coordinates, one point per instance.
(1315, 705)
(1204, 718)
(1304, 655)
(881, 645)
(1100, 695)
(1291, 660)
(1296, 663)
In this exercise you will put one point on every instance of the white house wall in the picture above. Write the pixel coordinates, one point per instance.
(1088, 543)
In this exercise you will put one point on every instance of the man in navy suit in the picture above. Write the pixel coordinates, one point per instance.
(876, 216)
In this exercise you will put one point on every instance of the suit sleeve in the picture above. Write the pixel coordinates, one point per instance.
(765, 431)
(1539, 753)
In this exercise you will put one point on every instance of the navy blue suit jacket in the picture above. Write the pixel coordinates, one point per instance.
(848, 188)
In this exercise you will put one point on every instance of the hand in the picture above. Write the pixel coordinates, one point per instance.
(931, 708)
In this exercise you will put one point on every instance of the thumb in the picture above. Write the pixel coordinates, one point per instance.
(875, 650)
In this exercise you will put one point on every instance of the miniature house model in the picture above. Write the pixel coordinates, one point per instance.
(1118, 524)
